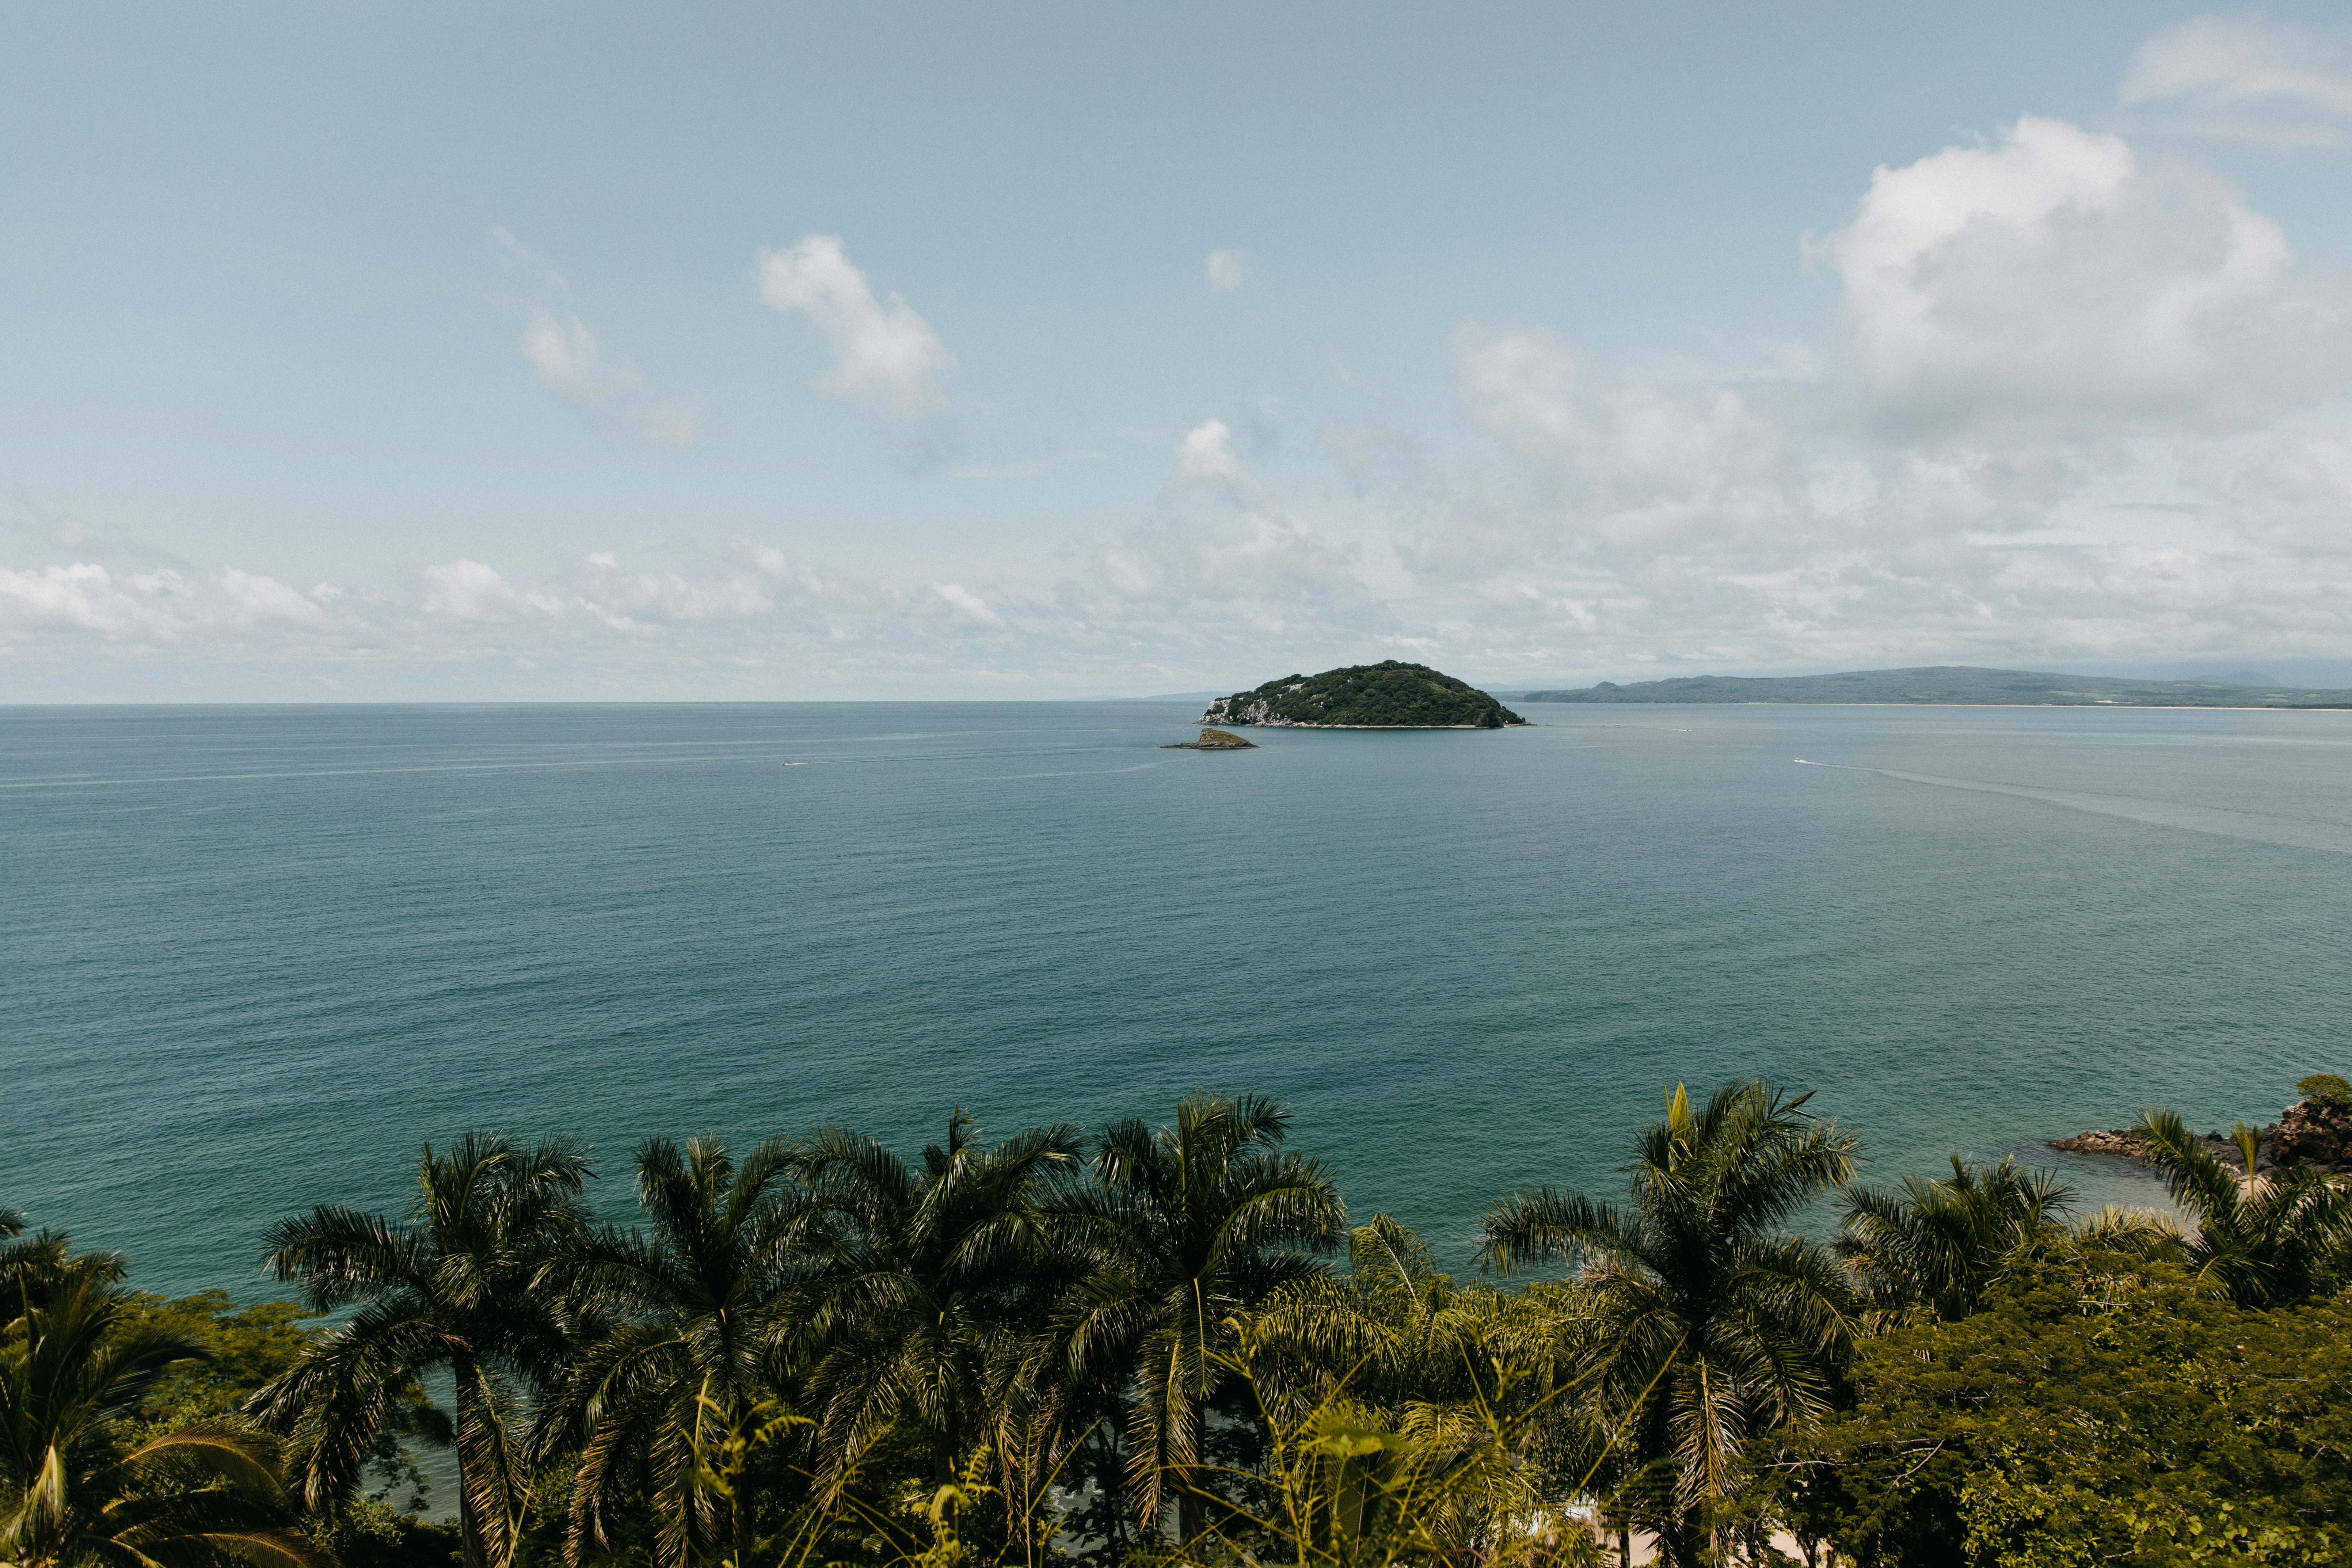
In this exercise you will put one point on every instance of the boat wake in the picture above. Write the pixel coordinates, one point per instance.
(2262, 827)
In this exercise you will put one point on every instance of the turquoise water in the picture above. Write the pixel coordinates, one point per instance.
(254, 957)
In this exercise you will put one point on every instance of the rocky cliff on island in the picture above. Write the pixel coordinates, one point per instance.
(1389, 695)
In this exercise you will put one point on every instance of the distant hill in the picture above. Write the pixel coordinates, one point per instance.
(1385, 696)
(1952, 683)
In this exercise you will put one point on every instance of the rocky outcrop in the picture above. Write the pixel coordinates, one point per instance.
(1214, 741)
(2131, 1144)
(2313, 1133)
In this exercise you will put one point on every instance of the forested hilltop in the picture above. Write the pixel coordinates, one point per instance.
(1385, 696)
(1952, 684)
(1167, 1346)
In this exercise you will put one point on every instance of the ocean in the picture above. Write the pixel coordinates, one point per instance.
(255, 958)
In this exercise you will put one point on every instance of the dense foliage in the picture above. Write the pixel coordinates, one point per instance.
(1164, 1345)
(1387, 695)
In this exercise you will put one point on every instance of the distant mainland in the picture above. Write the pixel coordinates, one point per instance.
(1953, 684)
(1389, 695)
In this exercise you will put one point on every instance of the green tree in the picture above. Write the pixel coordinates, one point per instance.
(82, 1480)
(2325, 1088)
(2098, 1407)
(916, 1276)
(1937, 1245)
(453, 1287)
(30, 1266)
(2273, 1236)
(1392, 1331)
(698, 1356)
(1185, 1230)
(1713, 1324)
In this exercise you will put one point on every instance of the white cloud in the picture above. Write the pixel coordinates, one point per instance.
(968, 604)
(1206, 456)
(1228, 270)
(2082, 409)
(568, 360)
(2049, 280)
(885, 356)
(1634, 463)
(467, 590)
(2246, 78)
(146, 608)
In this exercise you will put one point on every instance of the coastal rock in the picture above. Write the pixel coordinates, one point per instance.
(2315, 1133)
(2129, 1141)
(1214, 741)
(1391, 695)
(2131, 1144)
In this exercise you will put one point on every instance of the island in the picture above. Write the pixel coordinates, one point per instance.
(1389, 695)
(1214, 741)
(1953, 684)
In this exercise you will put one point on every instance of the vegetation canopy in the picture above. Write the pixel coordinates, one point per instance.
(1166, 1345)
(1388, 695)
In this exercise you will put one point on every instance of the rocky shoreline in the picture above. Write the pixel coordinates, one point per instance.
(2305, 1133)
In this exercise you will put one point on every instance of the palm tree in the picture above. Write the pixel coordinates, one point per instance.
(917, 1278)
(2268, 1239)
(695, 1359)
(455, 1286)
(32, 1266)
(1459, 1388)
(1392, 1331)
(1187, 1227)
(82, 1485)
(1712, 1324)
(1940, 1243)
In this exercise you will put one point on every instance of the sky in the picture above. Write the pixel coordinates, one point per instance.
(591, 352)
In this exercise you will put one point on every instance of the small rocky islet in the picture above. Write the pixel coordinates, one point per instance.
(1391, 695)
(1214, 741)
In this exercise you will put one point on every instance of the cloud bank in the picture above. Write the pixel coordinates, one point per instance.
(2082, 405)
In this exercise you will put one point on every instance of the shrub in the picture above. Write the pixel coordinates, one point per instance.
(2325, 1089)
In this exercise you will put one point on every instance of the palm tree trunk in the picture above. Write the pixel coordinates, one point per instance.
(470, 1518)
(1188, 1500)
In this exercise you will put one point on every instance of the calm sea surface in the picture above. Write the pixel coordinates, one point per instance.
(250, 958)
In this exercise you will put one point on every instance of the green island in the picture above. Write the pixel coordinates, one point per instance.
(1952, 684)
(1168, 1346)
(1389, 695)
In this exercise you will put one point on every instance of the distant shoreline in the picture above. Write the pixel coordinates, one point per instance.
(1831, 702)
(1951, 686)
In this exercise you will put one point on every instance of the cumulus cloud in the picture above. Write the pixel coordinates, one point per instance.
(1643, 464)
(568, 360)
(967, 604)
(2246, 78)
(885, 357)
(1243, 570)
(147, 607)
(1206, 458)
(1228, 270)
(2049, 280)
(467, 590)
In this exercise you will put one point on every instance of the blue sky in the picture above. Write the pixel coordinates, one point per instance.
(600, 352)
